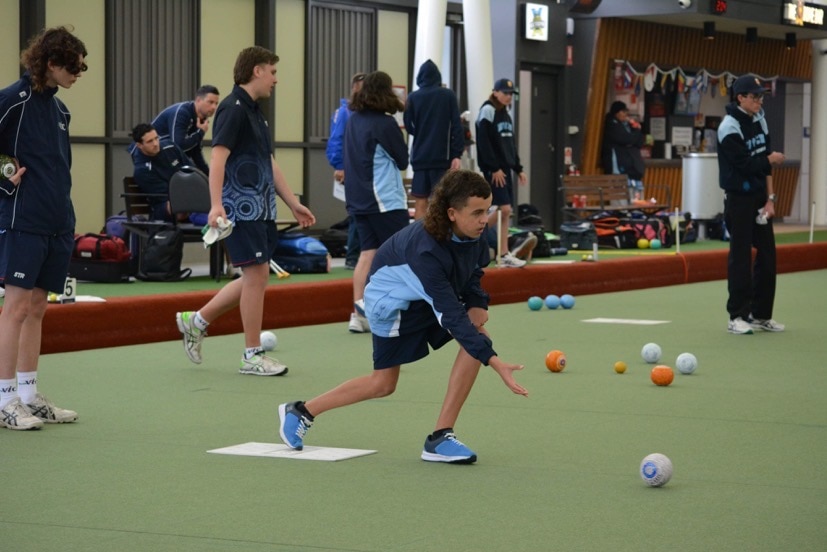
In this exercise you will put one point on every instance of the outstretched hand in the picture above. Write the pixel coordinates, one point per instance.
(506, 372)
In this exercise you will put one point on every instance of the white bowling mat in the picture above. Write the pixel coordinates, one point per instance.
(271, 450)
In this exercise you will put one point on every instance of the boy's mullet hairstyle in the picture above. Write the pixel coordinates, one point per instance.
(57, 45)
(247, 61)
(453, 190)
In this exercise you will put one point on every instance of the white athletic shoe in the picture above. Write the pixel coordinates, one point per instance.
(262, 365)
(509, 261)
(192, 336)
(44, 409)
(739, 326)
(17, 415)
(768, 325)
(358, 323)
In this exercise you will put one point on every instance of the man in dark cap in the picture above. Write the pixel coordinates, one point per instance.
(745, 161)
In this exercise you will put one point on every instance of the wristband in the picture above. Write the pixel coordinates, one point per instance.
(771, 198)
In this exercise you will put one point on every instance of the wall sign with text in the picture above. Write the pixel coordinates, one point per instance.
(802, 14)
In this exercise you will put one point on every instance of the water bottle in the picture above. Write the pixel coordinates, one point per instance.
(8, 166)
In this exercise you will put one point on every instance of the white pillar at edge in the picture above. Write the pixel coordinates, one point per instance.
(818, 133)
(476, 15)
(430, 34)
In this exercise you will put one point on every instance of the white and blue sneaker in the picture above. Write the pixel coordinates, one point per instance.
(293, 425)
(448, 448)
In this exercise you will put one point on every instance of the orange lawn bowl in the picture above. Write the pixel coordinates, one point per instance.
(556, 361)
(662, 375)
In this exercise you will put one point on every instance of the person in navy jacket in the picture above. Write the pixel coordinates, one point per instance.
(498, 159)
(155, 160)
(432, 118)
(37, 219)
(424, 290)
(375, 152)
(186, 123)
(745, 161)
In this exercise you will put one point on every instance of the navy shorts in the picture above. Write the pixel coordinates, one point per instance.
(405, 349)
(425, 181)
(33, 261)
(376, 228)
(501, 195)
(252, 242)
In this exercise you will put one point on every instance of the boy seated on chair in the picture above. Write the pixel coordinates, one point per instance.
(155, 160)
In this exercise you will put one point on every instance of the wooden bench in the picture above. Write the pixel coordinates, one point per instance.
(584, 196)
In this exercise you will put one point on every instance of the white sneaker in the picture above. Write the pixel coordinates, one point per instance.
(358, 323)
(2, 292)
(509, 261)
(262, 365)
(46, 411)
(739, 326)
(524, 249)
(17, 415)
(193, 337)
(768, 325)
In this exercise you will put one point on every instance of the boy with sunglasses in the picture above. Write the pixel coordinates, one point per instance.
(37, 220)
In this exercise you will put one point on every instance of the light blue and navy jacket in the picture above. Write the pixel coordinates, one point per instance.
(335, 143)
(34, 129)
(743, 150)
(375, 152)
(178, 122)
(432, 116)
(496, 149)
(415, 278)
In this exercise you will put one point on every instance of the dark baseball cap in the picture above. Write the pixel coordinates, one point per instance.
(748, 84)
(505, 85)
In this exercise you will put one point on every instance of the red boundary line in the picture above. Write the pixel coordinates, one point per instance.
(151, 318)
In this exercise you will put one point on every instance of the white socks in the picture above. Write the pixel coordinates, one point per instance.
(8, 391)
(24, 386)
(250, 352)
(27, 386)
(199, 322)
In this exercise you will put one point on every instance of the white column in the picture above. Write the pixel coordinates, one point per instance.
(818, 133)
(476, 15)
(430, 32)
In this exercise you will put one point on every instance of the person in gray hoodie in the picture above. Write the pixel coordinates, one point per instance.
(432, 117)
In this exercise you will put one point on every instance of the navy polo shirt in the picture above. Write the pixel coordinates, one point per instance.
(249, 193)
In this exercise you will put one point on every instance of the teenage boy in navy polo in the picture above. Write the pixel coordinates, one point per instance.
(244, 180)
(37, 219)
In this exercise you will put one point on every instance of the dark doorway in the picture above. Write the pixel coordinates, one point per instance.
(545, 141)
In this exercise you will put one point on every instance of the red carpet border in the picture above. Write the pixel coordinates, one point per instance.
(151, 318)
